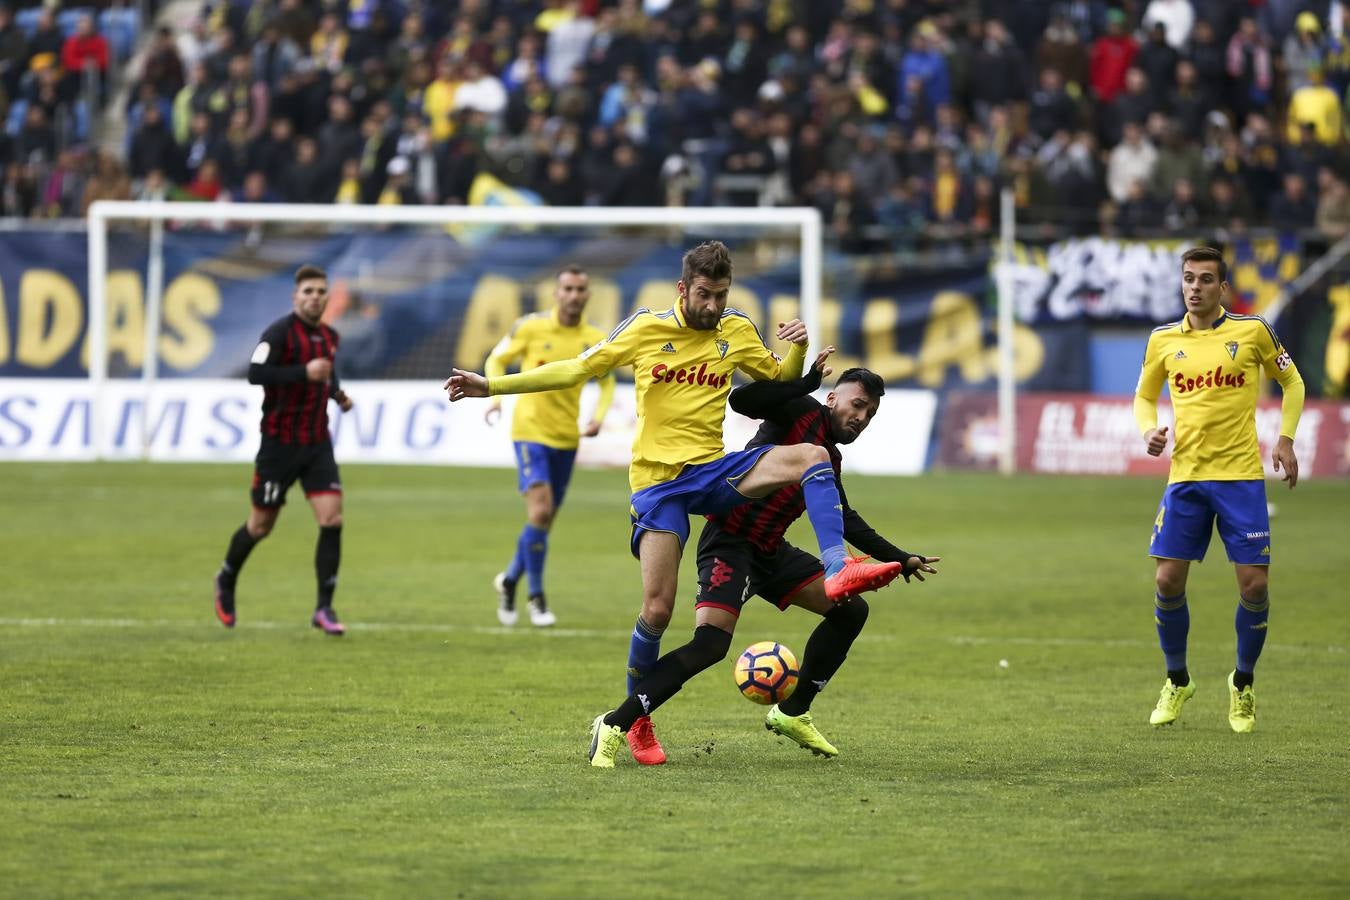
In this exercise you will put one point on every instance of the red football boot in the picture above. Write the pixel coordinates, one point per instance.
(857, 576)
(642, 741)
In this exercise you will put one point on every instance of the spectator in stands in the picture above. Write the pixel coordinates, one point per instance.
(481, 91)
(350, 188)
(749, 157)
(1158, 60)
(1131, 162)
(154, 188)
(35, 144)
(1181, 215)
(109, 181)
(46, 43)
(1135, 104)
(398, 189)
(271, 153)
(328, 45)
(1249, 67)
(1207, 54)
(233, 152)
(294, 21)
(13, 54)
(307, 180)
(1333, 205)
(873, 169)
(1062, 49)
(274, 55)
(1293, 208)
(1314, 104)
(998, 70)
(152, 146)
(569, 36)
(1304, 52)
(1112, 56)
(1052, 109)
(1176, 17)
(63, 189)
(18, 194)
(949, 199)
(162, 67)
(746, 62)
(1191, 101)
(627, 104)
(1227, 206)
(848, 213)
(560, 186)
(1179, 159)
(925, 65)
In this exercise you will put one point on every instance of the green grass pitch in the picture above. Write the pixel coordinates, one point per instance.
(146, 750)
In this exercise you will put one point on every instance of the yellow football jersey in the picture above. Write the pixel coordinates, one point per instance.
(1213, 376)
(682, 377)
(550, 417)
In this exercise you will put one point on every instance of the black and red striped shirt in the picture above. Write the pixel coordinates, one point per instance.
(295, 409)
(792, 416)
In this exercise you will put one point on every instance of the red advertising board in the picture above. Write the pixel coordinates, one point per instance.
(1087, 434)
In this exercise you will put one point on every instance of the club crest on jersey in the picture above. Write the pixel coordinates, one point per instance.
(668, 348)
(722, 347)
(1231, 347)
(1181, 354)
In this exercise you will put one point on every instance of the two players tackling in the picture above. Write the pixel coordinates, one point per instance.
(683, 359)
(1211, 361)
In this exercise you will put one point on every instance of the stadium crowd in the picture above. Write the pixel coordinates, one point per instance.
(899, 119)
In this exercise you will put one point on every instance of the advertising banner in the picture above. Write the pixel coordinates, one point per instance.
(207, 420)
(411, 304)
(1086, 434)
(1122, 282)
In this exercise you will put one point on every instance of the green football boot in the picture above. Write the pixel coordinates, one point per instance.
(1241, 707)
(800, 729)
(1170, 702)
(605, 743)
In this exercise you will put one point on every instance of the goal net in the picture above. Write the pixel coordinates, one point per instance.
(179, 293)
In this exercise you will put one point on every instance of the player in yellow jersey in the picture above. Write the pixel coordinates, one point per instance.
(683, 359)
(544, 431)
(1211, 362)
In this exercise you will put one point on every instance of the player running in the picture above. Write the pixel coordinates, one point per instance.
(1211, 361)
(544, 431)
(294, 362)
(743, 552)
(683, 360)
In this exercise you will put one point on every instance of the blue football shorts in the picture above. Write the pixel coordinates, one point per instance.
(1186, 516)
(542, 464)
(704, 489)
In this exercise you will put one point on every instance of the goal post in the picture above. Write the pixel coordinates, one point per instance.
(161, 223)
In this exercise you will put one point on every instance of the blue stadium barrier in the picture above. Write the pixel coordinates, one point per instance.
(27, 20)
(67, 19)
(120, 27)
(18, 111)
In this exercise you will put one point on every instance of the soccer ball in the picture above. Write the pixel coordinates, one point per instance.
(766, 672)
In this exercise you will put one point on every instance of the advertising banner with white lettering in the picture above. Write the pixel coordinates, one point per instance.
(1117, 281)
(1085, 434)
(216, 420)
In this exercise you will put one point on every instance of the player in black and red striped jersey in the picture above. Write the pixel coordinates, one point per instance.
(743, 552)
(294, 362)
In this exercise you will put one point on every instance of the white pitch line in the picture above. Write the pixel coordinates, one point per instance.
(443, 628)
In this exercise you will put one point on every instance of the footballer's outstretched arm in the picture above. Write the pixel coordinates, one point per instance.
(781, 401)
(550, 377)
(863, 536)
